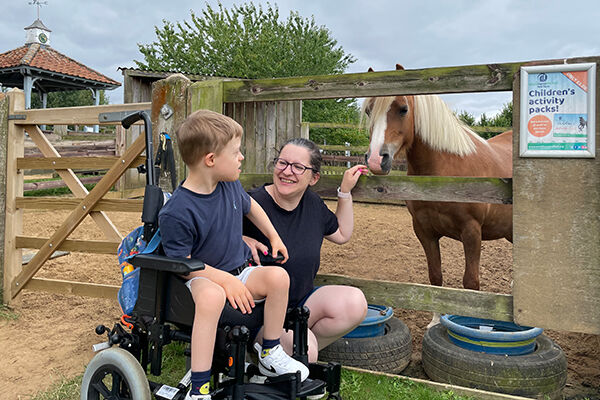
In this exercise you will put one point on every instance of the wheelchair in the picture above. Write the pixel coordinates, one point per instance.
(164, 313)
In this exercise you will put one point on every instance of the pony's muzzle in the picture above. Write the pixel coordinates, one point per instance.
(379, 165)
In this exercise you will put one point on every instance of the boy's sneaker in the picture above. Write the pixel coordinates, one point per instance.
(197, 396)
(276, 362)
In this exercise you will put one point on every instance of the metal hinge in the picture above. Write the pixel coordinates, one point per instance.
(17, 116)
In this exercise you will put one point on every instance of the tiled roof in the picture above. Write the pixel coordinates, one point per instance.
(48, 59)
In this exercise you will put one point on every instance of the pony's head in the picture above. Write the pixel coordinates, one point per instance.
(391, 130)
(395, 122)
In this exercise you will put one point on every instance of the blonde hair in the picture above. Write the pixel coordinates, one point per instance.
(204, 132)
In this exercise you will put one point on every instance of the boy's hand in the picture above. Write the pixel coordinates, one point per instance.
(278, 247)
(255, 246)
(238, 294)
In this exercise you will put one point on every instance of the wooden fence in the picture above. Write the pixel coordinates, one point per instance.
(182, 97)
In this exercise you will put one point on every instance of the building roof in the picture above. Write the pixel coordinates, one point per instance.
(44, 60)
(38, 24)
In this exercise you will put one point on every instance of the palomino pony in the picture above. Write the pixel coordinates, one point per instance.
(436, 143)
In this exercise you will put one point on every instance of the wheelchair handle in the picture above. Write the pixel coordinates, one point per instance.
(130, 120)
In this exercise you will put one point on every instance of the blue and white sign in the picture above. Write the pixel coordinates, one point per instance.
(558, 110)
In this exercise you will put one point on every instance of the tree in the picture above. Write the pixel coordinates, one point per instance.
(466, 117)
(72, 98)
(247, 41)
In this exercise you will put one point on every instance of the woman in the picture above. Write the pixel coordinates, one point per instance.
(302, 220)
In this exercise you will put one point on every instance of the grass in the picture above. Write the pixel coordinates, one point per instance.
(6, 313)
(355, 385)
(55, 191)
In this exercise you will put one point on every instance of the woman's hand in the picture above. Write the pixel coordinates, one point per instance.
(351, 177)
(255, 246)
(237, 294)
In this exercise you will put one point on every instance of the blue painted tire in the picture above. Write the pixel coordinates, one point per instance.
(390, 352)
(503, 337)
(538, 374)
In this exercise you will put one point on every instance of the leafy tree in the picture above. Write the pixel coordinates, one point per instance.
(467, 118)
(504, 117)
(68, 99)
(247, 41)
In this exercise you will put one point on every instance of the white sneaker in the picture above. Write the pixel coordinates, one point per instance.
(276, 362)
(197, 396)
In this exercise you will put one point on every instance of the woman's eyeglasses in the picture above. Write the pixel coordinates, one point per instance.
(296, 168)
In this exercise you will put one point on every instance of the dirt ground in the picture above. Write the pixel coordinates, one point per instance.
(53, 335)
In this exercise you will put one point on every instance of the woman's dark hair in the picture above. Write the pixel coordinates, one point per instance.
(313, 150)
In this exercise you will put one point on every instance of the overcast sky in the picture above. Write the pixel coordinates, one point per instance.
(416, 33)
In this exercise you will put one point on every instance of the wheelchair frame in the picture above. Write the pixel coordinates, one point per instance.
(164, 314)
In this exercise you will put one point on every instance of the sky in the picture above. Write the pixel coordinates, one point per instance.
(104, 34)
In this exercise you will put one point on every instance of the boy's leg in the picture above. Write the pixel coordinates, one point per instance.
(334, 311)
(272, 284)
(287, 342)
(209, 300)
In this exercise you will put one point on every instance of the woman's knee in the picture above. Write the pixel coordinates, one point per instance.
(356, 303)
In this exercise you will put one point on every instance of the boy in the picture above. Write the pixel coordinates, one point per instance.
(203, 220)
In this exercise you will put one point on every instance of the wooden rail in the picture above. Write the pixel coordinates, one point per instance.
(87, 115)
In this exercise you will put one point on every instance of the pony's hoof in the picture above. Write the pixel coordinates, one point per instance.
(434, 321)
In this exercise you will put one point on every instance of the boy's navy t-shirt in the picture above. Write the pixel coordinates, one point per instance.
(206, 226)
(302, 231)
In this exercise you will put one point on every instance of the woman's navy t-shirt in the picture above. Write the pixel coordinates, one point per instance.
(206, 226)
(302, 231)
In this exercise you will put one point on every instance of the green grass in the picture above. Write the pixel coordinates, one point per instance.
(65, 389)
(7, 314)
(363, 386)
(355, 385)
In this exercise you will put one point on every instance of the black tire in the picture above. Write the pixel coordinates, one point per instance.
(538, 374)
(116, 374)
(390, 352)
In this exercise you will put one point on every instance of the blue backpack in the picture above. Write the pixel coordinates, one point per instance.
(132, 245)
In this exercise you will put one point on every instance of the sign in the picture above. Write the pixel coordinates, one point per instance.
(558, 110)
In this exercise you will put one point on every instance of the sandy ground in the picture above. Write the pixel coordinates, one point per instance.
(53, 335)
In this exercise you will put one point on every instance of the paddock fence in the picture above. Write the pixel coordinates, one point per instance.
(537, 293)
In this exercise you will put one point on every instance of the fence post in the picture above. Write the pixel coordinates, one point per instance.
(169, 109)
(3, 153)
(11, 147)
(206, 95)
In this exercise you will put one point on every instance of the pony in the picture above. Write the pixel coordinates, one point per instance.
(436, 143)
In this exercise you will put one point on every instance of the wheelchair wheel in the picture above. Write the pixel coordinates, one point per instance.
(114, 374)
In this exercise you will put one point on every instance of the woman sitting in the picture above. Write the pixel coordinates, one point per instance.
(302, 220)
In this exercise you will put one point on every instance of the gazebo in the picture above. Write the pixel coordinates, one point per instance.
(38, 66)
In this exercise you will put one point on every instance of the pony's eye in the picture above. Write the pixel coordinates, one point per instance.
(403, 110)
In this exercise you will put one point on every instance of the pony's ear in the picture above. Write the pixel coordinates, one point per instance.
(370, 70)
(399, 67)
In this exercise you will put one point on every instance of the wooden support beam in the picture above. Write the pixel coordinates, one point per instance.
(57, 163)
(73, 220)
(65, 203)
(58, 286)
(84, 246)
(13, 217)
(397, 189)
(87, 115)
(414, 296)
(72, 181)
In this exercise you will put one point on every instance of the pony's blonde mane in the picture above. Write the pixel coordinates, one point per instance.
(435, 124)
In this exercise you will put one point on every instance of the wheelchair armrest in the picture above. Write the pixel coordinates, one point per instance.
(163, 263)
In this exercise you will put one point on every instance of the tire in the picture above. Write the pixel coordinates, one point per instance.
(538, 374)
(390, 352)
(114, 372)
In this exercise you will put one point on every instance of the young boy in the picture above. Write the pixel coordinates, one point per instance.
(203, 220)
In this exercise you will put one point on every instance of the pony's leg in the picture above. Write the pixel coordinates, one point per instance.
(431, 245)
(471, 239)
